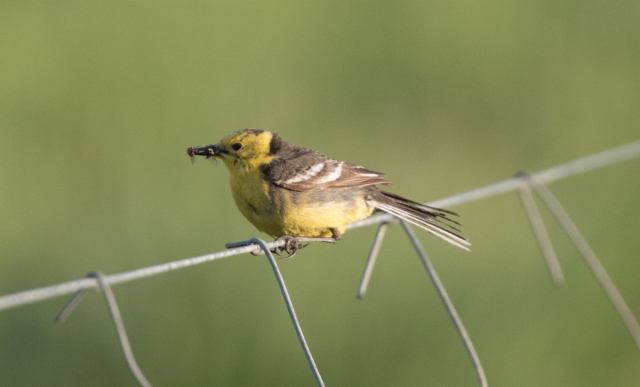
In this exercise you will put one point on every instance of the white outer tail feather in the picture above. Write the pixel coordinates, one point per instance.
(439, 232)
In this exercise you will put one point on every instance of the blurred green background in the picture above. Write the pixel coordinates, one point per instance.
(99, 100)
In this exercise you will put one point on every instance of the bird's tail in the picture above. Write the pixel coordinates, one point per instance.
(434, 220)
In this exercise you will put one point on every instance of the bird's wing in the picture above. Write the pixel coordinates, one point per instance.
(306, 170)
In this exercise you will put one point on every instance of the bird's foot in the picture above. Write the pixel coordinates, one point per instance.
(291, 246)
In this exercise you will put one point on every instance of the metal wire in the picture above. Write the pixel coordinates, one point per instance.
(559, 172)
(71, 305)
(536, 180)
(598, 160)
(612, 156)
(541, 234)
(117, 320)
(371, 259)
(590, 258)
(292, 313)
(446, 300)
(30, 296)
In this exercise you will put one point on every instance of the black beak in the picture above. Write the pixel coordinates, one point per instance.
(206, 151)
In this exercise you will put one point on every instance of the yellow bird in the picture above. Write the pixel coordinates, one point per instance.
(288, 191)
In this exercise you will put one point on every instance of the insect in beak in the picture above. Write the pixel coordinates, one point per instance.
(208, 152)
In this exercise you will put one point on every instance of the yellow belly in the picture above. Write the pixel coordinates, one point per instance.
(278, 211)
(317, 213)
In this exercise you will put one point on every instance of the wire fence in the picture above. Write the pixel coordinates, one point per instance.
(522, 183)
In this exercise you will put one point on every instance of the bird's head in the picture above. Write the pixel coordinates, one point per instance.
(244, 149)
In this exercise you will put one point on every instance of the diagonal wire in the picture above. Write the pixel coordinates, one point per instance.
(558, 172)
(71, 305)
(546, 176)
(444, 296)
(35, 295)
(285, 294)
(541, 234)
(117, 320)
(371, 260)
(590, 258)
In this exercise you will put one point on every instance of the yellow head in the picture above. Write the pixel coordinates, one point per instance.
(244, 150)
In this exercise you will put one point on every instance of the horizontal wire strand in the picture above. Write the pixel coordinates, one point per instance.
(561, 171)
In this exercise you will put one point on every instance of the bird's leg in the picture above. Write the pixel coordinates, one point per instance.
(336, 234)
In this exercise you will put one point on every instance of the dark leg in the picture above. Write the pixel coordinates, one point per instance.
(291, 245)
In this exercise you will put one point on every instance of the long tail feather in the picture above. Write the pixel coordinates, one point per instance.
(422, 216)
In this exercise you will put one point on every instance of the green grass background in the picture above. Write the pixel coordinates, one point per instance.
(99, 100)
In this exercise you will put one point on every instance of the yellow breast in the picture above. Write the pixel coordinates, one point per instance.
(251, 194)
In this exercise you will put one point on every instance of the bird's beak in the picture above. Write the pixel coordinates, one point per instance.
(208, 151)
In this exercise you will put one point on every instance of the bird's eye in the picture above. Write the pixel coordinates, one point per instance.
(237, 146)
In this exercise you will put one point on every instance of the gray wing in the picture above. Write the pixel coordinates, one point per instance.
(300, 169)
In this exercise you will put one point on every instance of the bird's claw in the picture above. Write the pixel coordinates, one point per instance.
(291, 246)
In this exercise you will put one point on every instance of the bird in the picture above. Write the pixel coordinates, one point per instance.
(290, 192)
